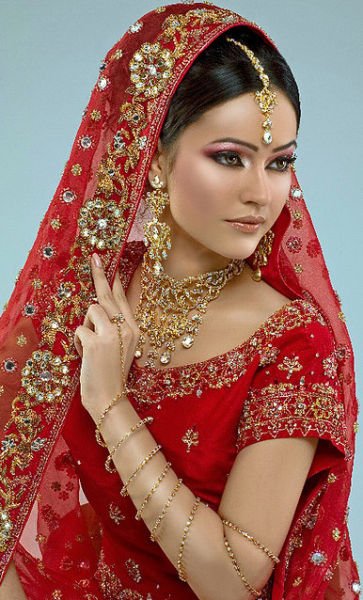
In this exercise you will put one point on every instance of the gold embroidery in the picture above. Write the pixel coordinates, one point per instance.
(2, 389)
(76, 169)
(96, 115)
(133, 570)
(291, 365)
(336, 534)
(220, 371)
(296, 409)
(332, 478)
(56, 224)
(115, 514)
(191, 438)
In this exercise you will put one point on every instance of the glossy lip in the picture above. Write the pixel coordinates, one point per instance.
(245, 227)
(248, 219)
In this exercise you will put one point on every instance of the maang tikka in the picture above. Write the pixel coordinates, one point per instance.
(157, 233)
(265, 98)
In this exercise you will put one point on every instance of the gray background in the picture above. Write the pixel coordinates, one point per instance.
(49, 58)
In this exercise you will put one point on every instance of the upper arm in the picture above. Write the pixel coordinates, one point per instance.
(293, 402)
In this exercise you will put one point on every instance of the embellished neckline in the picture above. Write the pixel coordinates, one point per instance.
(225, 355)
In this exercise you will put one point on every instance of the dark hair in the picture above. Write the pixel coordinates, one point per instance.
(222, 72)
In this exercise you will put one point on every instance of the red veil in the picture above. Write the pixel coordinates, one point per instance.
(99, 204)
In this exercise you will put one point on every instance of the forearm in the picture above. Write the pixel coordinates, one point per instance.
(11, 586)
(209, 569)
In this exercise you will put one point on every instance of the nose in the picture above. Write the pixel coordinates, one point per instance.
(255, 187)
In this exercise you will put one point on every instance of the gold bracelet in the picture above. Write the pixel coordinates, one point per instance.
(240, 574)
(250, 538)
(181, 570)
(113, 403)
(118, 320)
(167, 504)
(152, 491)
(124, 491)
(134, 428)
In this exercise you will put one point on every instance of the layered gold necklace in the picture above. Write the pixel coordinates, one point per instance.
(170, 309)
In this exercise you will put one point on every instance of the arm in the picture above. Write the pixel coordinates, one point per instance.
(263, 488)
(11, 586)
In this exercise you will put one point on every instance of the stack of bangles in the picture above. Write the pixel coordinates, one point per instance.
(118, 319)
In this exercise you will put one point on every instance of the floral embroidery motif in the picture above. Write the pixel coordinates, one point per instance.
(191, 438)
(21, 340)
(9, 365)
(294, 244)
(291, 365)
(76, 169)
(112, 587)
(151, 67)
(336, 534)
(115, 513)
(330, 366)
(318, 558)
(268, 355)
(133, 570)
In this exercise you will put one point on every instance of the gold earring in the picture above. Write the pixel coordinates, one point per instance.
(157, 234)
(261, 254)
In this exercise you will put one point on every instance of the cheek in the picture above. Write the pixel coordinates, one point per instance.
(194, 188)
(281, 191)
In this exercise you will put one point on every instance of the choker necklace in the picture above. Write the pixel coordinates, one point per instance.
(170, 309)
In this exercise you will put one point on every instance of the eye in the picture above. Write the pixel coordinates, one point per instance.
(228, 158)
(283, 163)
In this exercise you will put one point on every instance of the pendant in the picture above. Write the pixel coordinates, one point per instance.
(138, 353)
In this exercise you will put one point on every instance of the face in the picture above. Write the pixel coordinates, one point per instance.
(223, 171)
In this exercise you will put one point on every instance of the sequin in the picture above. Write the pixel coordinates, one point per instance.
(48, 251)
(86, 142)
(68, 196)
(103, 83)
(318, 558)
(133, 570)
(356, 587)
(29, 310)
(9, 365)
(136, 27)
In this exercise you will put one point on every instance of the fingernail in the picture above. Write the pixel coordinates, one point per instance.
(97, 260)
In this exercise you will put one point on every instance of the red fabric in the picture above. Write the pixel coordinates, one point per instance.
(70, 543)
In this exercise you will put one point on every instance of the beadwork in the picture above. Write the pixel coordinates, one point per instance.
(124, 490)
(180, 566)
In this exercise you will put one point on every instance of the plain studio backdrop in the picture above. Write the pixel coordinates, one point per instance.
(50, 53)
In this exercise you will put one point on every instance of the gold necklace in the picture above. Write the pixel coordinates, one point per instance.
(181, 304)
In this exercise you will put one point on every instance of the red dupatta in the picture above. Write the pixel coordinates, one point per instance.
(99, 204)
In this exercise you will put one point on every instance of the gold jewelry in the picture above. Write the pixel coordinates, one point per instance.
(250, 538)
(163, 312)
(251, 589)
(134, 428)
(181, 569)
(124, 491)
(118, 320)
(113, 403)
(157, 234)
(167, 504)
(152, 491)
(265, 98)
(261, 254)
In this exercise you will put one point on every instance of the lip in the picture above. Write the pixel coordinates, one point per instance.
(245, 227)
(247, 219)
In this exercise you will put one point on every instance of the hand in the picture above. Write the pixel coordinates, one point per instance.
(97, 342)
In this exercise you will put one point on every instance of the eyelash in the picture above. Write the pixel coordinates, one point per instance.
(289, 160)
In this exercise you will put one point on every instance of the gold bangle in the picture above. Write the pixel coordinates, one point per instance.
(152, 491)
(124, 491)
(113, 403)
(251, 539)
(181, 570)
(134, 428)
(167, 504)
(240, 574)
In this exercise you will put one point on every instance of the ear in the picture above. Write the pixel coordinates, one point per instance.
(158, 164)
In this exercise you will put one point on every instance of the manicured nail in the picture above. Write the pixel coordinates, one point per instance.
(97, 260)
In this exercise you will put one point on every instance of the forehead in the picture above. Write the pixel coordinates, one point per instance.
(242, 117)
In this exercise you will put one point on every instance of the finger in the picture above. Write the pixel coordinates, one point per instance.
(120, 298)
(103, 291)
(82, 336)
(96, 319)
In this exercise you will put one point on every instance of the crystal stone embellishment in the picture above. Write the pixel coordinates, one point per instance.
(187, 342)
(318, 558)
(68, 196)
(356, 587)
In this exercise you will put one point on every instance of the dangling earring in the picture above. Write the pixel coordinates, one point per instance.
(261, 254)
(157, 234)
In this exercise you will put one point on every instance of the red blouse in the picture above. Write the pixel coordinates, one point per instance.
(281, 382)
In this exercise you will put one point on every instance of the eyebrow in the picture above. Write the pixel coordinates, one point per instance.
(252, 146)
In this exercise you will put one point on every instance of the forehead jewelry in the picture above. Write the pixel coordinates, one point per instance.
(265, 98)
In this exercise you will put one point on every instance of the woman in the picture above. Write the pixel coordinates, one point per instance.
(178, 278)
